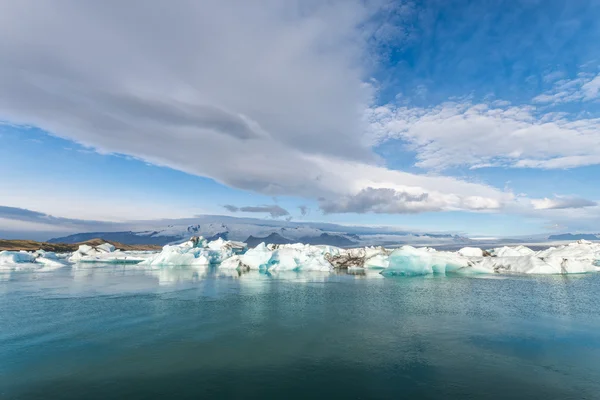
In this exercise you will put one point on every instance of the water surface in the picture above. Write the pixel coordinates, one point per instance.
(98, 332)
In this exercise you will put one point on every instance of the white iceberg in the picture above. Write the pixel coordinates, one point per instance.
(574, 258)
(536, 265)
(471, 252)
(196, 252)
(579, 257)
(516, 251)
(257, 258)
(106, 253)
(410, 261)
(22, 260)
(299, 258)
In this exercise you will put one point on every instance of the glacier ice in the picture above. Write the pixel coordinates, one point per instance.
(516, 251)
(22, 260)
(407, 260)
(225, 255)
(574, 258)
(471, 252)
(106, 253)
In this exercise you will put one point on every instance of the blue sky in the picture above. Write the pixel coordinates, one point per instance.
(479, 117)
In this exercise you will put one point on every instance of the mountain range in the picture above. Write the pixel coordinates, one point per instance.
(255, 231)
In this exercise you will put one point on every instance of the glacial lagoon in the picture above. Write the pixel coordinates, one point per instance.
(100, 331)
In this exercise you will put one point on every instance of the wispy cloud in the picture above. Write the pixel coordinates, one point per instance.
(562, 202)
(586, 87)
(273, 210)
(484, 135)
(30, 216)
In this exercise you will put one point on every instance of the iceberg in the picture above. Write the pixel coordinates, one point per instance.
(410, 261)
(22, 260)
(234, 262)
(229, 256)
(575, 258)
(471, 252)
(106, 253)
(516, 251)
(536, 265)
(257, 258)
(196, 252)
(299, 258)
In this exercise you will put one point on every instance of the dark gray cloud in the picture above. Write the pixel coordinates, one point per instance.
(274, 210)
(25, 215)
(380, 201)
(304, 210)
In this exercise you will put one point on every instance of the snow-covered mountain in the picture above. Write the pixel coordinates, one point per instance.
(575, 236)
(254, 231)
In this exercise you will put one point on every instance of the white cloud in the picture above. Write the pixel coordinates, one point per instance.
(586, 87)
(481, 135)
(562, 202)
(265, 96)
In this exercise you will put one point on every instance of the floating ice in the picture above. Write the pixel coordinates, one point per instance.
(578, 257)
(575, 258)
(536, 265)
(22, 260)
(409, 261)
(471, 252)
(106, 253)
(196, 252)
(516, 251)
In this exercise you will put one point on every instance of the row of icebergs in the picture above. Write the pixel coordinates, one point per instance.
(577, 257)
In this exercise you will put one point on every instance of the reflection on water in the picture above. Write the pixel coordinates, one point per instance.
(113, 331)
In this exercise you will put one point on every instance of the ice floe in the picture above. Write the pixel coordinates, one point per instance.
(22, 260)
(577, 257)
(106, 253)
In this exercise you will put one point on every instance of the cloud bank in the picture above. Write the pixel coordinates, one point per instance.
(497, 134)
(265, 96)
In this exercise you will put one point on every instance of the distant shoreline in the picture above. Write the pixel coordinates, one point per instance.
(32, 245)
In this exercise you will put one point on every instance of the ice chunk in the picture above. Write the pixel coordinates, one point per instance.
(16, 257)
(349, 258)
(536, 265)
(378, 261)
(227, 246)
(471, 252)
(18, 260)
(106, 253)
(105, 248)
(516, 251)
(234, 262)
(196, 252)
(410, 261)
(184, 255)
(299, 258)
(258, 257)
(580, 250)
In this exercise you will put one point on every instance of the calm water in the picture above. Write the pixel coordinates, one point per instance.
(119, 332)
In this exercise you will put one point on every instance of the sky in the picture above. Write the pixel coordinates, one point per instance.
(475, 117)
